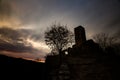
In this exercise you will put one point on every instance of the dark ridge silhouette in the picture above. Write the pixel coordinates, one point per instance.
(18, 68)
(86, 60)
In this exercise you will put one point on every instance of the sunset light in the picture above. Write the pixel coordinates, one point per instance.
(38, 45)
(60, 39)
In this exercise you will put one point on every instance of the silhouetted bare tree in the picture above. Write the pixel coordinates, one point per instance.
(58, 37)
(105, 40)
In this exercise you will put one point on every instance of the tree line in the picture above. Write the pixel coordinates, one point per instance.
(58, 37)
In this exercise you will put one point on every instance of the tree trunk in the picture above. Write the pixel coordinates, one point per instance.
(60, 55)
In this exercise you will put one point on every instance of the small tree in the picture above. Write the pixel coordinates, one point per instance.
(58, 37)
(104, 40)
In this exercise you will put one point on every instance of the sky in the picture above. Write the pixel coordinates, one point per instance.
(23, 22)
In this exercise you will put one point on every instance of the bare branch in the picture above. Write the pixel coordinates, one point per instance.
(58, 37)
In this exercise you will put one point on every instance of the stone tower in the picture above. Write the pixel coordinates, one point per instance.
(80, 36)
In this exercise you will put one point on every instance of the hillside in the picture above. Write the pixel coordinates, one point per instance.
(20, 68)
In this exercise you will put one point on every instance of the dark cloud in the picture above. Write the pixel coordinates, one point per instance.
(18, 34)
(14, 41)
(9, 33)
(21, 48)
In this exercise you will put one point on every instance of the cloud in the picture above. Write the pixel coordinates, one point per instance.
(9, 34)
(15, 40)
(17, 48)
(27, 19)
(115, 22)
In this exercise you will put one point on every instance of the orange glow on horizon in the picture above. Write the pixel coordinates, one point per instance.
(23, 56)
(42, 60)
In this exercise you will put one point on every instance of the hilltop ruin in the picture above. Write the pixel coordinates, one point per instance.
(86, 60)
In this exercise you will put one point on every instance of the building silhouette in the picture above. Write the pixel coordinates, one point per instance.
(80, 36)
(86, 60)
